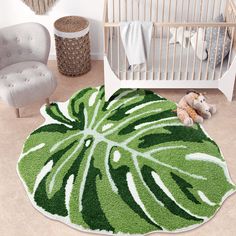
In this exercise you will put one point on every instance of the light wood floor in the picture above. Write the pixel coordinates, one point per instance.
(19, 218)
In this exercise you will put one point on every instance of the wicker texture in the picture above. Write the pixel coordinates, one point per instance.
(71, 24)
(73, 54)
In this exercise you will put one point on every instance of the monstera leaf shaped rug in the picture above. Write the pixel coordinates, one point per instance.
(126, 166)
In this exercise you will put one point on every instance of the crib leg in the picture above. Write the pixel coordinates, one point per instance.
(112, 83)
(226, 83)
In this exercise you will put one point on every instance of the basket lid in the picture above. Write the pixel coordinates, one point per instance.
(70, 24)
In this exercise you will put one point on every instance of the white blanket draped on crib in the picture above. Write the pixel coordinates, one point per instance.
(136, 37)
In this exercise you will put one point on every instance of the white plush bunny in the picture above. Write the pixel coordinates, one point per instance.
(199, 45)
(180, 36)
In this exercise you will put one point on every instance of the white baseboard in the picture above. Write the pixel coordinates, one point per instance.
(94, 56)
(97, 56)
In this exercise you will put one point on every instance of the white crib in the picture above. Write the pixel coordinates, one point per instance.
(168, 66)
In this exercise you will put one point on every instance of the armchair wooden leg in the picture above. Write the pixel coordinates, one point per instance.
(17, 111)
(47, 102)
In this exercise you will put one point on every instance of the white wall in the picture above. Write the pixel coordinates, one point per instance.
(15, 12)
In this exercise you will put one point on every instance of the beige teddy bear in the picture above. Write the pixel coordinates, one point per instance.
(193, 108)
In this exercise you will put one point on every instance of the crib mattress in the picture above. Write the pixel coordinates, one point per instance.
(164, 63)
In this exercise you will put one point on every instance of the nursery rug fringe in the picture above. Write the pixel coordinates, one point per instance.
(127, 166)
(40, 7)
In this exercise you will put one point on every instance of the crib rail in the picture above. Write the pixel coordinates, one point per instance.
(184, 24)
(165, 10)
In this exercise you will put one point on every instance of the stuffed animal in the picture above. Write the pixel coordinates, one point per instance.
(180, 35)
(193, 108)
(205, 109)
(198, 43)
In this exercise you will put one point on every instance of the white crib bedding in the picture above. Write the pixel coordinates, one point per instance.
(160, 66)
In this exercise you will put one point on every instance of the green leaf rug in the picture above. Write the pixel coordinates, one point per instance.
(124, 166)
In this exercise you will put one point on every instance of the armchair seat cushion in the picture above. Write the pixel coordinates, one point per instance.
(26, 82)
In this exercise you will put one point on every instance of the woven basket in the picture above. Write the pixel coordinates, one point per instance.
(72, 45)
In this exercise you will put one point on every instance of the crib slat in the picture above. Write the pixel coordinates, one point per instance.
(138, 5)
(126, 62)
(173, 66)
(146, 63)
(126, 10)
(207, 9)
(200, 67)
(194, 60)
(111, 37)
(144, 10)
(227, 8)
(182, 10)
(160, 57)
(111, 46)
(154, 52)
(167, 53)
(167, 42)
(157, 9)
(194, 10)
(163, 11)
(169, 10)
(223, 52)
(216, 52)
(188, 10)
(175, 10)
(187, 64)
(118, 52)
(209, 51)
(181, 56)
(139, 72)
(132, 13)
(201, 10)
(231, 47)
(150, 10)
(220, 6)
(113, 11)
(119, 14)
(125, 65)
(132, 9)
(213, 10)
(119, 68)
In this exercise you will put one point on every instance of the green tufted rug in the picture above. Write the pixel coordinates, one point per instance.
(125, 166)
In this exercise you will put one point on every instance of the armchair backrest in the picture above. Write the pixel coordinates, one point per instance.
(24, 42)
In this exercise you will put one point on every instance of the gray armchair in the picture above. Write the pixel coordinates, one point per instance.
(24, 76)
